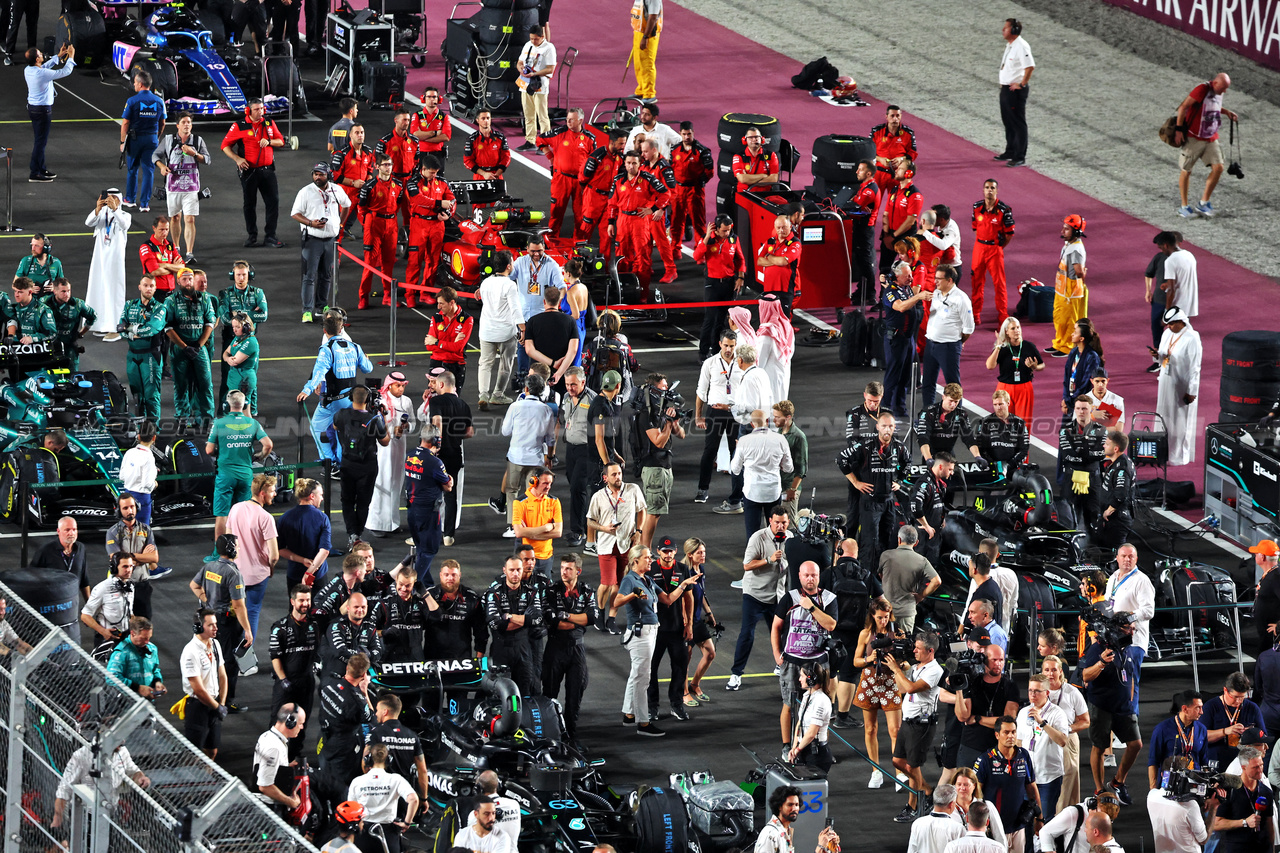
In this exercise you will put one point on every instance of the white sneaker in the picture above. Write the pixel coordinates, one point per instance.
(1108, 761)
(736, 584)
(1116, 743)
(735, 681)
(509, 533)
(447, 541)
(901, 779)
(253, 670)
(877, 779)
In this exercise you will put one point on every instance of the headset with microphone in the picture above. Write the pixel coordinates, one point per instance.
(231, 273)
(1015, 27)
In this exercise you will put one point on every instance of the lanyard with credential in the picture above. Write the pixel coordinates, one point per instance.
(1123, 580)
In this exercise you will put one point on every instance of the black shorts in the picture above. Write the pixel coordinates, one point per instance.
(701, 632)
(202, 725)
(914, 742)
(848, 673)
(1103, 723)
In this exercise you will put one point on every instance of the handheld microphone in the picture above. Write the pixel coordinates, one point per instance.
(1259, 806)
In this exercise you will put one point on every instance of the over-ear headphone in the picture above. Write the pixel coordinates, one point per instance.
(288, 714)
(911, 168)
(231, 273)
(48, 246)
(1015, 26)
(197, 625)
(114, 568)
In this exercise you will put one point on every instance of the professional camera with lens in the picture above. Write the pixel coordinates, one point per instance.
(963, 669)
(1236, 170)
(1187, 784)
(902, 648)
(1108, 626)
(820, 529)
(661, 400)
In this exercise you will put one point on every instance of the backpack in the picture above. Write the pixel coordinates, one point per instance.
(358, 443)
(850, 583)
(819, 74)
(605, 354)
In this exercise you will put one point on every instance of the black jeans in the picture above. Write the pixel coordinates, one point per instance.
(255, 182)
(582, 467)
(1013, 112)
(671, 644)
(453, 466)
(714, 320)
(41, 118)
(358, 482)
(719, 422)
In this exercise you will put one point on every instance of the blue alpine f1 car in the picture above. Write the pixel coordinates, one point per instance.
(196, 75)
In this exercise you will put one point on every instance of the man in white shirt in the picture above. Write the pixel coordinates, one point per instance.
(1108, 406)
(934, 832)
(110, 601)
(319, 208)
(1015, 78)
(615, 515)
(478, 836)
(204, 676)
(1181, 283)
(1132, 591)
(501, 324)
(942, 233)
(919, 688)
(712, 411)
(950, 325)
(79, 770)
(1006, 580)
(1042, 731)
(760, 455)
(753, 391)
(654, 131)
(975, 839)
(536, 65)
(508, 813)
(138, 469)
(271, 753)
(1084, 825)
(381, 792)
(1178, 825)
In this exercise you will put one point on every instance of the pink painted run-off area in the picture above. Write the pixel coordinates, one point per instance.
(706, 70)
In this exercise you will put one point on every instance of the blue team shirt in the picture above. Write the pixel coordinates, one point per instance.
(1004, 782)
(145, 112)
(305, 529)
(1166, 742)
(640, 612)
(1215, 717)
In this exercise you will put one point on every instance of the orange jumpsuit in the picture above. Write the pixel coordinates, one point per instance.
(426, 233)
(403, 151)
(660, 169)
(569, 150)
(628, 198)
(692, 168)
(892, 146)
(347, 166)
(596, 181)
(437, 123)
(379, 202)
(991, 227)
(490, 153)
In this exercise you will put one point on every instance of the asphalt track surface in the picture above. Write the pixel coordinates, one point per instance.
(82, 151)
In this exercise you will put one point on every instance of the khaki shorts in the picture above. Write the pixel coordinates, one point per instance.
(1196, 150)
(657, 489)
(186, 204)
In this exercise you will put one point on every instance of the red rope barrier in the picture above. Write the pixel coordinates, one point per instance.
(387, 278)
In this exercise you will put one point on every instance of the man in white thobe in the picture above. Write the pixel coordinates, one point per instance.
(384, 511)
(105, 293)
(1179, 356)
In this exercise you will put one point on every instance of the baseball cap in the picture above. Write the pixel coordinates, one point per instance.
(666, 543)
(1267, 547)
(186, 271)
(1254, 735)
(320, 167)
(611, 380)
(979, 636)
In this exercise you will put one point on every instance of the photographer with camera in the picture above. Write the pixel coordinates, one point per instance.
(758, 459)
(359, 431)
(1181, 735)
(764, 566)
(110, 602)
(855, 587)
(1243, 822)
(1107, 678)
(929, 504)
(919, 687)
(1130, 590)
(658, 420)
(675, 627)
(1178, 819)
(800, 634)
(1229, 716)
(877, 687)
(1083, 827)
(1007, 774)
(980, 705)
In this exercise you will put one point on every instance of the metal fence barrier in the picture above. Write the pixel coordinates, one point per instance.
(139, 785)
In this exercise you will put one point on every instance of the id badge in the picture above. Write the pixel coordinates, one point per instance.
(1017, 376)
